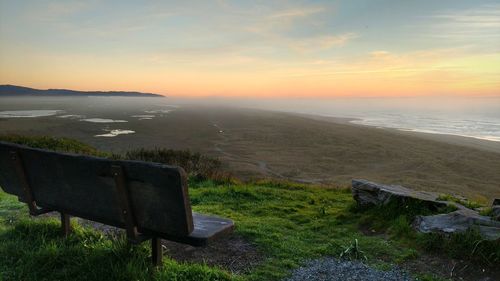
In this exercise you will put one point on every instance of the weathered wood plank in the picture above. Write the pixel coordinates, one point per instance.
(83, 186)
(206, 229)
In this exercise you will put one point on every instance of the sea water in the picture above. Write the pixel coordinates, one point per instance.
(463, 116)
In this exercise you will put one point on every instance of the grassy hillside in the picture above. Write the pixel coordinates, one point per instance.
(286, 223)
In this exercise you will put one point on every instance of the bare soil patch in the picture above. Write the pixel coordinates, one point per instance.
(232, 253)
(453, 269)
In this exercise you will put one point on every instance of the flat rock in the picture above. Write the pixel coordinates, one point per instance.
(458, 222)
(368, 193)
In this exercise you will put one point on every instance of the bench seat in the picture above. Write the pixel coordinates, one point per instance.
(206, 229)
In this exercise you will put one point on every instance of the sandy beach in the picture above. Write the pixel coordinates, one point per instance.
(486, 145)
(303, 148)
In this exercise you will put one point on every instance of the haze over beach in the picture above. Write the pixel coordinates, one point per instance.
(444, 54)
(275, 110)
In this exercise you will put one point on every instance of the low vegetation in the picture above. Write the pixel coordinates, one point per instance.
(288, 223)
(462, 201)
(196, 165)
(56, 144)
(395, 219)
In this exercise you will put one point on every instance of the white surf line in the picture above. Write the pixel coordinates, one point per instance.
(103, 120)
(28, 113)
(71, 116)
(114, 133)
(159, 111)
(144, 116)
(480, 137)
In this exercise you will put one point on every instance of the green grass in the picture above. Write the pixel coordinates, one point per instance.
(56, 144)
(487, 211)
(466, 246)
(464, 202)
(34, 250)
(288, 223)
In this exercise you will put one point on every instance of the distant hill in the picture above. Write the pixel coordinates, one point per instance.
(17, 91)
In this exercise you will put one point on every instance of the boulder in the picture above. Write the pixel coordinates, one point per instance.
(495, 212)
(496, 202)
(458, 222)
(495, 209)
(368, 193)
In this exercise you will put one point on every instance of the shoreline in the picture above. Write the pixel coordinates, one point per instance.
(468, 141)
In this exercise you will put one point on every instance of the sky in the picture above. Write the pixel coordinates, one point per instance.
(278, 49)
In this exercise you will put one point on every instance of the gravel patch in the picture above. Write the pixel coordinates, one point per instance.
(330, 269)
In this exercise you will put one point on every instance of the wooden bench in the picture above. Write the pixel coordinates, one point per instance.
(148, 200)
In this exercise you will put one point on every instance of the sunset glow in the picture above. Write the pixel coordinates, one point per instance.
(254, 49)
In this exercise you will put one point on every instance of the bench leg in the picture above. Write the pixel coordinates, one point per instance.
(156, 251)
(65, 224)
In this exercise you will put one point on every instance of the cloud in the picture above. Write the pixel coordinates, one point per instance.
(379, 54)
(480, 22)
(278, 28)
(395, 64)
(281, 20)
(320, 42)
(296, 13)
(57, 10)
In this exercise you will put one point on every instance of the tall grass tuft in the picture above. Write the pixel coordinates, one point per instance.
(196, 165)
(353, 252)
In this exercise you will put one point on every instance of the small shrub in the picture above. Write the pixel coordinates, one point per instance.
(401, 227)
(353, 252)
(397, 212)
(488, 211)
(196, 165)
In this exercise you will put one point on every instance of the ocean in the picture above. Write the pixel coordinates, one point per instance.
(469, 117)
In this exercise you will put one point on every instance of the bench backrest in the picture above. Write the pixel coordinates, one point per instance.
(84, 186)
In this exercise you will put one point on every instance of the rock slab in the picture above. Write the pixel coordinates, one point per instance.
(368, 193)
(496, 202)
(459, 222)
(495, 212)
